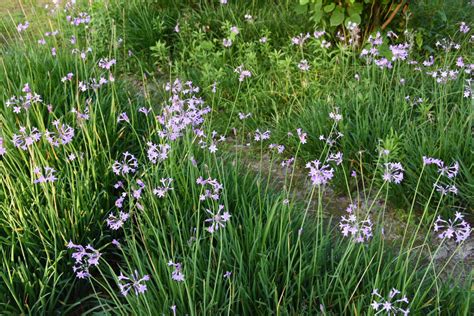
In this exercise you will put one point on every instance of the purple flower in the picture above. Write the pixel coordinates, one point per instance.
(300, 39)
(444, 190)
(390, 306)
(176, 28)
(383, 63)
(116, 243)
(177, 274)
(123, 117)
(242, 73)
(464, 28)
(243, 116)
(430, 161)
(133, 282)
(279, 148)
(84, 257)
(234, 30)
(429, 62)
(166, 186)
(129, 164)
(301, 135)
(144, 110)
(400, 51)
(263, 40)
(359, 230)
(217, 220)
(68, 77)
(82, 18)
(157, 153)
(214, 193)
(46, 176)
(335, 116)
(3, 150)
(22, 27)
(227, 42)
(259, 136)
(457, 228)
(393, 172)
(337, 158)
(105, 63)
(287, 163)
(449, 171)
(227, 274)
(320, 175)
(25, 139)
(303, 65)
(63, 135)
(116, 222)
(317, 34)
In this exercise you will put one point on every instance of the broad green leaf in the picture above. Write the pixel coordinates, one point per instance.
(317, 13)
(304, 2)
(353, 18)
(356, 8)
(329, 8)
(337, 17)
(301, 9)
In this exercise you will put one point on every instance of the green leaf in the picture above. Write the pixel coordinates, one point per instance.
(337, 17)
(353, 18)
(356, 8)
(301, 9)
(329, 8)
(419, 40)
(317, 13)
(304, 2)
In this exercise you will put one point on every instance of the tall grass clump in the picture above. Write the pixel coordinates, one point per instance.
(140, 175)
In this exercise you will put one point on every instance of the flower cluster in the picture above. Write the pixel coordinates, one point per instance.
(84, 257)
(166, 186)
(320, 174)
(25, 101)
(458, 228)
(46, 176)
(214, 140)
(242, 73)
(393, 172)
(116, 222)
(303, 65)
(22, 27)
(448, 171)
(337, 158)
(105, 63)
(129, 164)
(390, 306)
(185, 110)
(177, 274)
(82, 18)
(259, 136)
(24, 139)
(359, 230)
(300, 39)
(157, 153)
(62, 136)
(217, 220)
(212, 194)
(133, 282)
